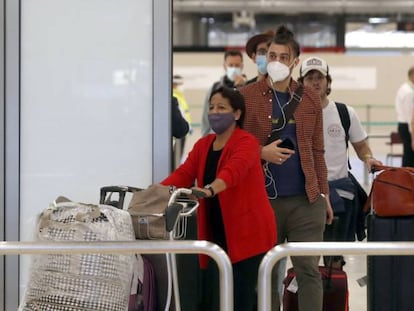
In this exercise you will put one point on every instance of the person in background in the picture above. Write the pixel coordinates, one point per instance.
(296, 175)
(233, 78)
(314, 74)
(185, 109)
(256, 49)
(404, 105)
(179, 128)
(235, 214)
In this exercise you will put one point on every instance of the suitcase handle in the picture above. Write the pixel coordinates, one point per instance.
(121, 190)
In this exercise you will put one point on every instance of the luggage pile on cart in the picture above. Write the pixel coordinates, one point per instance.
(157, 213)
(110, 282)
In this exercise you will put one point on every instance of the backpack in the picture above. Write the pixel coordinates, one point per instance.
(360, 194)
(345, 121)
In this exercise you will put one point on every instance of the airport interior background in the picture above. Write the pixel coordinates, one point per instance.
(368, 45)
(85, 87)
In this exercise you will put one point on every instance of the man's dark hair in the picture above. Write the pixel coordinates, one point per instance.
(236, 101)
(411, 71)
(285, 36)
(233, 53)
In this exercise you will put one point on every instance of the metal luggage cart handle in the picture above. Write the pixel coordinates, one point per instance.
(176, 215)
(180, 208)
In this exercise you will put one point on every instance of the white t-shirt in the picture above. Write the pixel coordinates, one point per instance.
(336, 156)
(404, 102)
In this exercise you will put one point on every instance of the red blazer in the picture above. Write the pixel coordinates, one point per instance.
(249, 220)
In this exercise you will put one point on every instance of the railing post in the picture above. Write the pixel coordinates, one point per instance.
(132, 247)
(316, 249)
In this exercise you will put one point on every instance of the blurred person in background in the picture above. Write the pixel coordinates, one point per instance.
(178, 93)
(179, 128)
(233, 78)
(256, 49)
(404, 105)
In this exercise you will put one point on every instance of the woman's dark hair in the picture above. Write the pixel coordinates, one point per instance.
(235, 98)
(285, 36)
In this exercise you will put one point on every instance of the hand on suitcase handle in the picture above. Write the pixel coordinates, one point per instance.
(198, 194)
(177, 206)
(377, 168)
(176, 197)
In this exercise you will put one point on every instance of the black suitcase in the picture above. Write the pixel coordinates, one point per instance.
(390, 283)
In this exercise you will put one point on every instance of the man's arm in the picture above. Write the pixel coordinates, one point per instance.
(364, 153)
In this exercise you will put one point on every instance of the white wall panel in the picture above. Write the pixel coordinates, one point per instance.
(86, 100)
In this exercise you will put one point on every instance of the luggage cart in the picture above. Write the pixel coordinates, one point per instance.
(182, 204)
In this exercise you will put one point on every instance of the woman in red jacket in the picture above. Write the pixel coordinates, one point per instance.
(236, 213)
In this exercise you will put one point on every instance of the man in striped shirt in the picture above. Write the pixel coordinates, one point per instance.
(296, 175)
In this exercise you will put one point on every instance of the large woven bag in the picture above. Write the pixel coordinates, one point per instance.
(93, 282)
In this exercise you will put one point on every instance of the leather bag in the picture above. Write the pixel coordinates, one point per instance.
(392, 192)
(147, 209)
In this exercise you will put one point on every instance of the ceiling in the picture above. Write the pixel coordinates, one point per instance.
(295, 6)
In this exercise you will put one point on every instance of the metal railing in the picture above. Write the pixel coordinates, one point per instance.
(132, 247)
(316, 249)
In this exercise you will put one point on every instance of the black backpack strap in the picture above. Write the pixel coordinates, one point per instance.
(345, 121)
(294, 103)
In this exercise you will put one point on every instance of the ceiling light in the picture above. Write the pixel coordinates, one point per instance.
(378, 20)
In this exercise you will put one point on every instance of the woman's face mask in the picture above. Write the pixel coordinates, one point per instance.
(220, 122)
(232, 72)
(261, 63)
(278, 71)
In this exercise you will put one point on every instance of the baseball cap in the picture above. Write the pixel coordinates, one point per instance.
(257, 39)
(314, 63)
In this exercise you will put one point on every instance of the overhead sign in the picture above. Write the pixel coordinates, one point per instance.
(354, 78)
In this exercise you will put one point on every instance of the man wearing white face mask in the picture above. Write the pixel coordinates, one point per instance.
(256, 49)
(233, 66)
(289, 128)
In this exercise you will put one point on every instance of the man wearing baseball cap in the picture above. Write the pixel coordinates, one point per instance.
(256, 49)
(314, 63)
(314, 74)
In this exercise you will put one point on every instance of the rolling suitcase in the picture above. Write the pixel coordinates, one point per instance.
(335, 290)
(144, 289)
(390, 278)
(335, 280)
(391, 218)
